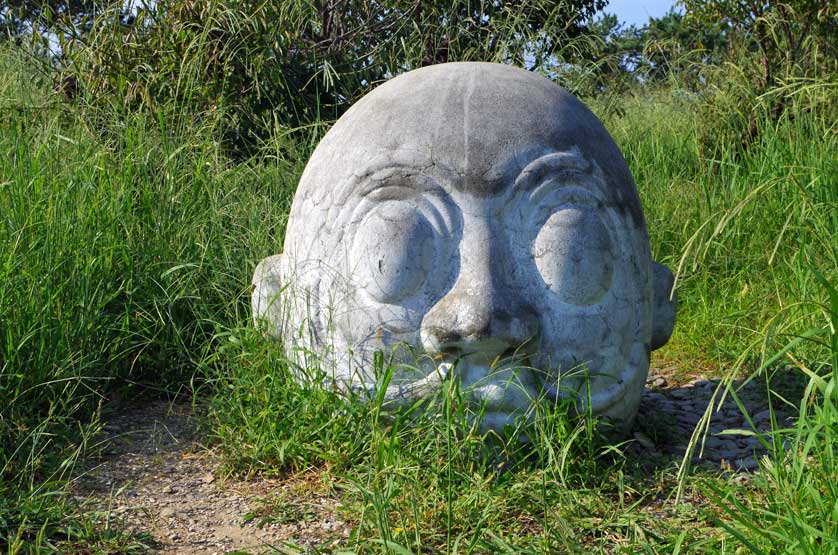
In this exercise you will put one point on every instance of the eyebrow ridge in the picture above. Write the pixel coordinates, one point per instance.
(533, 174)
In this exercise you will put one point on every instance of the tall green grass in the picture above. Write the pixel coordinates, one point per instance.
(795, 508)
(424, 480)
(119, 259)
(754, 237)
(127, 243)
(742, 231)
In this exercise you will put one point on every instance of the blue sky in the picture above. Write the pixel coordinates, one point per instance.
(638, 12)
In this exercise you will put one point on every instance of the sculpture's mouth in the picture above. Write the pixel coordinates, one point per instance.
(496, 395)
(505, 391)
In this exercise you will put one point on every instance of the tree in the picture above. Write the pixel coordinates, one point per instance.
(36, 19)
(662, 48)
(675, 45)
(296, 62)
(773, 44)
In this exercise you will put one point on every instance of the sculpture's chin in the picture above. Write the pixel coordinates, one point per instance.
(616, 399)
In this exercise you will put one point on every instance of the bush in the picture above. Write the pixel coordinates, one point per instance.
(252, 67)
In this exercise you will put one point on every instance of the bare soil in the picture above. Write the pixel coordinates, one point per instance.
(157, 477)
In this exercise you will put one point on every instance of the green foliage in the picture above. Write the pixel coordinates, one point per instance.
(117, 259)
(21, 19)
(128, 238)
(776, 51)
(423, 479)
(738, 230)
(257, 66)
(666, 49)
(797, 481)
(762, 226)
(676, 47)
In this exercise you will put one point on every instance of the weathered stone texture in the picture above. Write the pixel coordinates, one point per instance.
(472, 221)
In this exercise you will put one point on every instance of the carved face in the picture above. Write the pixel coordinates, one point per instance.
(472, 221)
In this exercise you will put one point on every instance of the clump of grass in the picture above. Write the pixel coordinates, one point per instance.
(424, 478)
(794, 507)
(741, 230)
(756, 242)
(117, 259)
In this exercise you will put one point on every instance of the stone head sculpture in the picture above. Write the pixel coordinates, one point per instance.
(471, 221)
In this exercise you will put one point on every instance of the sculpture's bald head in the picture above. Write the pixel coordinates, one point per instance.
(483, 122)
(476, 213)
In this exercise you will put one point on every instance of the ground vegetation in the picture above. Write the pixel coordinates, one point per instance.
(149, 162)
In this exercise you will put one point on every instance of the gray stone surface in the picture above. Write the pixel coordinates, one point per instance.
(471, 221)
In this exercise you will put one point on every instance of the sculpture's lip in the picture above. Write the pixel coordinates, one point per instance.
(487, 387)
(406, 393)
(495, 389)
(484, 385)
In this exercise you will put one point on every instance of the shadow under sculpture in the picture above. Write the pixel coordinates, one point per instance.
(471, 221)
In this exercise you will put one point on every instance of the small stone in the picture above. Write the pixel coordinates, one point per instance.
(714, 443)
(167, 512)
(731, 422)
(741, 479)
(655, 398)
(731, 454)
(688, 418)
(659, 382)
(747, 463)
(685, 429)
(208, 478)
(755, 442)
(667, 406)
(644, 440)
(169, 489)
(764, 427)
(762, 416)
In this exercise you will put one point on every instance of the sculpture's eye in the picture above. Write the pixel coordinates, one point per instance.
(574, 255)
(393, 251)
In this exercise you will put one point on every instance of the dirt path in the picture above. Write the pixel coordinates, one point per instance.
(156, 476)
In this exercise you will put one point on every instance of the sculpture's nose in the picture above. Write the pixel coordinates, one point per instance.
(481, 316)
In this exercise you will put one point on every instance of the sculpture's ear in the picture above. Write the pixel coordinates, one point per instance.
(664, 305)
(267, 281)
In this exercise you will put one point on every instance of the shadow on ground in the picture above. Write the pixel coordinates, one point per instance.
(670, 413)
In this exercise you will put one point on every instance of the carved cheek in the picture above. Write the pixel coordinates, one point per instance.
(392, 252)
(574, 255)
